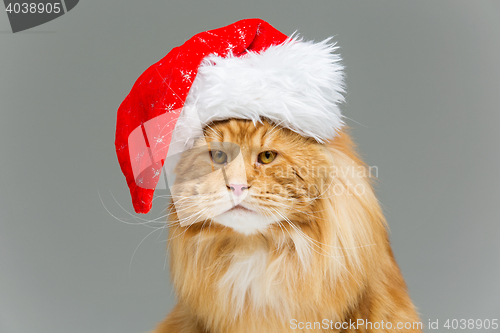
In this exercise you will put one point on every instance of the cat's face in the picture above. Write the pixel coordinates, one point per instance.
(249, 177)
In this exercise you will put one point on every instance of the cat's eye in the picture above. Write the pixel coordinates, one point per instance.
(218, 156)
(267, 157)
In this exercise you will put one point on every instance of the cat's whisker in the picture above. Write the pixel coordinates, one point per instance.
(328, 255)
(213, 131)
(293, 227)
(274, 128)
(177, 225)
(139, 220)
(302, 234)
(199, 239)
(133, 254)
(331, 246)
(280, 244)
(291, 208)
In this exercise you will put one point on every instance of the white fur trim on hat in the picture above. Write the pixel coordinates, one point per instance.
(296, 84)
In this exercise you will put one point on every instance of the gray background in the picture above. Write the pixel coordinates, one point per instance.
(423, 90)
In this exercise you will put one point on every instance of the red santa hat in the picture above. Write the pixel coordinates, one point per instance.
(246, 70)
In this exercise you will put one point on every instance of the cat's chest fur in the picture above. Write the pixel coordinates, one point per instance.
(245, 280)
(259, 279)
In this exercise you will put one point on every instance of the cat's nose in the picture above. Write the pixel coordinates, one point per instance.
(238, 188)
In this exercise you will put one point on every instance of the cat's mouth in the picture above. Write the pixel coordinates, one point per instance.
(240, 208)
(243, 219)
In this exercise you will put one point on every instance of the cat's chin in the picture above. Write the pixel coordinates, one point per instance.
(244, 220)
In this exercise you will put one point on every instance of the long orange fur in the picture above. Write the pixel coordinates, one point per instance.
(328, 257)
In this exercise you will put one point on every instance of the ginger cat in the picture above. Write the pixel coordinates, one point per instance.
(300, 246)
